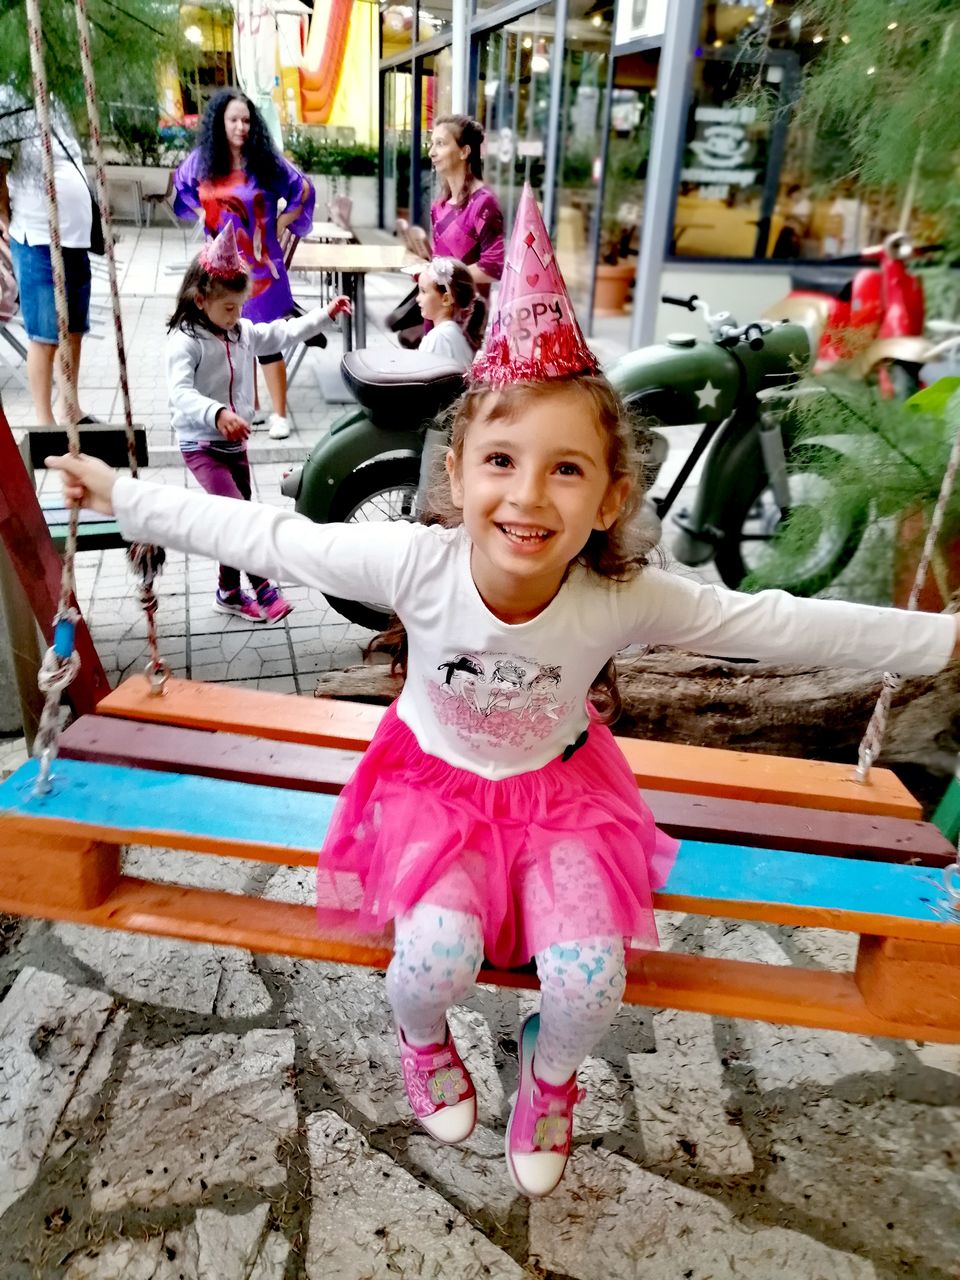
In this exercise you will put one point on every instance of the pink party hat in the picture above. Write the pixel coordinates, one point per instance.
(220, 257)
(533, 335)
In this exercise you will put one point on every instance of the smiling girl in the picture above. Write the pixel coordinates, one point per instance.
(493, 813)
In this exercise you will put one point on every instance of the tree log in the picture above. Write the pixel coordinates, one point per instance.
(800, 711)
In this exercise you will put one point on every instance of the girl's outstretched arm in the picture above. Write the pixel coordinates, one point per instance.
(369, 560)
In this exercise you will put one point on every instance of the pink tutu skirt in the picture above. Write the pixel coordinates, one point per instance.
(565, 852)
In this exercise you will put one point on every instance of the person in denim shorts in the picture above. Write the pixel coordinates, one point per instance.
(23, 221)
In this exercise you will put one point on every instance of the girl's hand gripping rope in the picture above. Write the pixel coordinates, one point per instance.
(85, 480)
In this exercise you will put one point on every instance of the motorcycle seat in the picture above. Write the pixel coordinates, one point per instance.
(398, 385)
(835, 281)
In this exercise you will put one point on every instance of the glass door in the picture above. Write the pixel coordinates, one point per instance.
(512, 101)
(397, 99)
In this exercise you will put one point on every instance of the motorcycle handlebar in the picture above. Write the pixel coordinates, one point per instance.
(688, 304)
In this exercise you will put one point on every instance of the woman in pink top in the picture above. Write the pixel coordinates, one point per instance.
(466, 220)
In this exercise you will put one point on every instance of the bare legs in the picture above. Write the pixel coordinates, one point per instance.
(275, 376)
(41, 357)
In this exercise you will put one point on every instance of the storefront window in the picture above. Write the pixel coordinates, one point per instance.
(585, 70)
(512, 99)
(397, 133)
(435, 18)
(756, 180)
(396, 29)
(724, 203)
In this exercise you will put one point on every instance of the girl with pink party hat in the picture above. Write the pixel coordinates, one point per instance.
(493, 813)
(210, 376)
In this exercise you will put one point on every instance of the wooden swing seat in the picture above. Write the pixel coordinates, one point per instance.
(176, 773)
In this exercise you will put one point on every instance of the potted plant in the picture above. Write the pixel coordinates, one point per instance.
(616, 268)
(336, 168)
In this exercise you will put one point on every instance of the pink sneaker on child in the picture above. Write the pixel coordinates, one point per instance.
(239, 604)
(541, 1122)
(439, 1089)
(273, 605)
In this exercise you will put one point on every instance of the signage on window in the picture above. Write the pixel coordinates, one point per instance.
(723, 151)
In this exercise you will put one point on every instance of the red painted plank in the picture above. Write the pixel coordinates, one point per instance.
(295, 766)
(24, 533)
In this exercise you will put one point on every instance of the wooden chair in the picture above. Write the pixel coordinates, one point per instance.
(418, 242)
(161, 200)
(223, 771)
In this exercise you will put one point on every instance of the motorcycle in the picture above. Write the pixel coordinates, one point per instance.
(864, 315)
(369, 467)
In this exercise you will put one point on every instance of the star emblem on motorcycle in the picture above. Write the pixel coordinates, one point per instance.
(707, 396)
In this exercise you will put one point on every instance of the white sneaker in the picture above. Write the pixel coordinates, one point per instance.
(259, 418)
(278, 428)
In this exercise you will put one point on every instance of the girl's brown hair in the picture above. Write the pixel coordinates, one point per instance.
(467, 132)
(618, 553)
(186, 314)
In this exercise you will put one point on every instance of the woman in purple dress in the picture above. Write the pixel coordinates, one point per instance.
(467, 220)
(236, 175)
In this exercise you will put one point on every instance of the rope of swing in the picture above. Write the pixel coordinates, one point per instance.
(872, 740)
(145, 560)
(61, 660)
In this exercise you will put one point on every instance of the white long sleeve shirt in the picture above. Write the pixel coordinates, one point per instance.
(208, 371)
(497, 698)
(20, 141)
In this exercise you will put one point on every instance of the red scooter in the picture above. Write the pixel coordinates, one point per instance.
(864, 321)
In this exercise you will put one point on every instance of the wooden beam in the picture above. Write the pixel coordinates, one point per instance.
(294, 766)
(664, 766)
(663, 980)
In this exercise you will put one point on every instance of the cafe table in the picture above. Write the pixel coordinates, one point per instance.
(352, 263)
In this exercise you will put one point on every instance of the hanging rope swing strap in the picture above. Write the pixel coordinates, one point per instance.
(876, 730)
(61, 661)
(145, 561)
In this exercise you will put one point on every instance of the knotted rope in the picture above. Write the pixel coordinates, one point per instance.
(146, 561)
(61, 661)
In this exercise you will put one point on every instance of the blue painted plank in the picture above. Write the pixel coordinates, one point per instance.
(736, 873)
(144, 801)
(140, 800)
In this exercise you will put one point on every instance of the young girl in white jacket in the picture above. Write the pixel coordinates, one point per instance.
(210, 376)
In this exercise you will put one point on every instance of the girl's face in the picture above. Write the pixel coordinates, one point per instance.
(446, 156)
(531, 491)
(236, 125)
(435, 304)
(221, 309)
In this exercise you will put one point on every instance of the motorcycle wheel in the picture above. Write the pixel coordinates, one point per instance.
(833, 537)
(385, 489)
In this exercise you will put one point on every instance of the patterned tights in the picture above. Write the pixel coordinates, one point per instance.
(437, 955)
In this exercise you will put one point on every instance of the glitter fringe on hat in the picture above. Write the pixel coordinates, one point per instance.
(533, 335)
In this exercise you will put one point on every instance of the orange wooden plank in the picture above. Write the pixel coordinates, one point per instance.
(24, 833)
(808, 784)
(700, 984)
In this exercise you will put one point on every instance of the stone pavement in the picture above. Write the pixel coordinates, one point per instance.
(180, 1112)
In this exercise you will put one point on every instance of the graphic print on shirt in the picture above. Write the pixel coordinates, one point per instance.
(499, 696)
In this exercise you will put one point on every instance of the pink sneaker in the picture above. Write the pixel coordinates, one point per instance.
(239, 604)
(541, 1122)
(274, 607)
(439, 1089)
